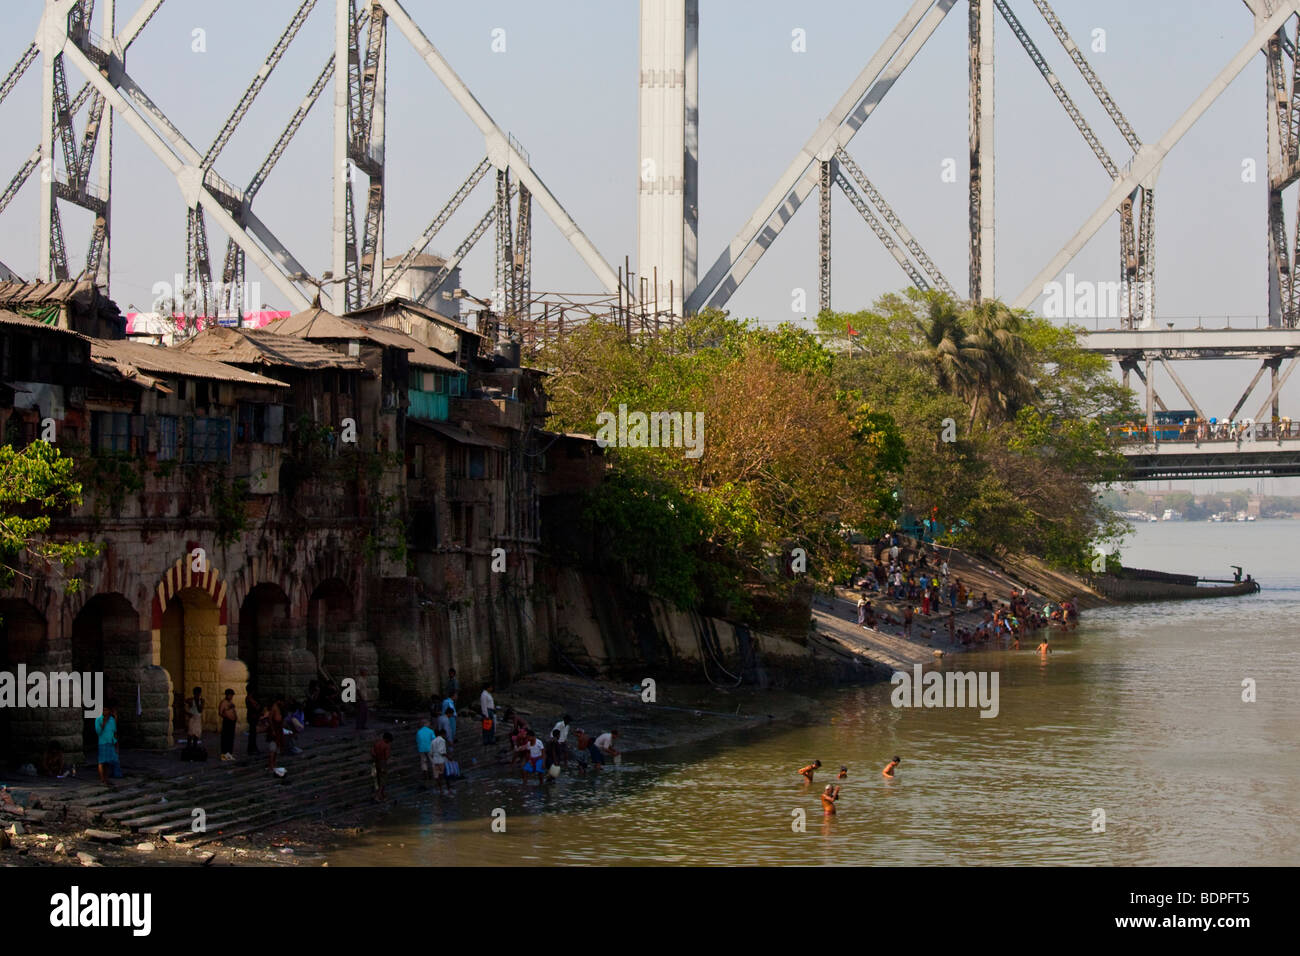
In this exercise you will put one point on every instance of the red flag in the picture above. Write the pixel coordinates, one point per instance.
(851, 332)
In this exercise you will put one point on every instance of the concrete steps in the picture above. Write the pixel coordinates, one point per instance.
(332, 775)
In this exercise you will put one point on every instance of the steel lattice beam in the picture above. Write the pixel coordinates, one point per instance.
(1146, 163)
(826, 170)
(461, 251)
(440, 220)
(887, 213)
(881, 232)
(504, 153)
(801, 177)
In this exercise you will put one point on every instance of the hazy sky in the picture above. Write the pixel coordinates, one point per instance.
(565, 86)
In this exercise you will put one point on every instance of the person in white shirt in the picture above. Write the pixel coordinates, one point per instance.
(438, 754)
(562, 725)
(488, 707)
(535, 751)
(605, 743)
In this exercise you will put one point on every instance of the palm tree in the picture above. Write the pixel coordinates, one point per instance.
(948, 351)
(1003, 376)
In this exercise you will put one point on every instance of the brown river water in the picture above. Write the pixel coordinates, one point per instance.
(1138, 713)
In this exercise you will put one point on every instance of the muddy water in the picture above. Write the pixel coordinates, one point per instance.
(1139, 714)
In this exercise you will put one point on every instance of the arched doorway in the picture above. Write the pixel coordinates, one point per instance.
(23, 640)
(265, 639)
(106, 638)
(193, 648)
(336, 636)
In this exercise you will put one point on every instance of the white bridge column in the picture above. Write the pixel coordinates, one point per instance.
(667, 198)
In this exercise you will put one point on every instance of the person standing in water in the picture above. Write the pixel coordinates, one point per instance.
(829, 796)
(809, 770)
(891, 767)
(1044, 649)
(844, 772)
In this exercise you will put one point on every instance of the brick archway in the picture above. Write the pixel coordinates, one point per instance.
(209, 668)
(180, 576)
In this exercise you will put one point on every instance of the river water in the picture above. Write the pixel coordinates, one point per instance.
(1137, 713)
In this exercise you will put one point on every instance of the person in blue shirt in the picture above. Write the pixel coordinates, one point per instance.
(106, 731)
(423, 744)
(449, 704)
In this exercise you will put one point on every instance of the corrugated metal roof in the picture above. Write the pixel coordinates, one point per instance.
(13, 293)
(398, 304)
(13, 318)
(456, 434)
(258, 347)
(317, 323)
(133, 358)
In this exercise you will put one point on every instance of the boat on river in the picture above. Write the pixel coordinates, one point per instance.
(1141, 584)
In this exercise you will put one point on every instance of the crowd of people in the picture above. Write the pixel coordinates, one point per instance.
(541, 754)
(924, 587)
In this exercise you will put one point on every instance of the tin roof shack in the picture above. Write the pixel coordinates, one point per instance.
(409, 381)
(453, 339)
(174, 436)
(316, 476)
(44, 371)
(471, 484)
(75, 305)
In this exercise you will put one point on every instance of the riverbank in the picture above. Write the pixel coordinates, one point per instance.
(76, 821)
(325, 797)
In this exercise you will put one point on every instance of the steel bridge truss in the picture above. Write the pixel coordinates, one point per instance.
(65, 42)
(77, 131)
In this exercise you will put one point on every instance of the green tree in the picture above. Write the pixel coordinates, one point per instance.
(35, 483)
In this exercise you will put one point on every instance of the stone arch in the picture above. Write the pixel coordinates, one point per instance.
(271, 644)
(189, 618)
(106, 638)
(25, 642)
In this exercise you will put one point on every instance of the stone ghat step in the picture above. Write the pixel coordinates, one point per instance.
(245, 783)
(215, 811)
(355, 795)
(109, 801)
(326, 785)
(234, 796)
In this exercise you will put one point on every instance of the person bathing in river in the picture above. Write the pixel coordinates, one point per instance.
(829, 796)
(533, 751)
(891, 767)
(809, 770)
(844, 772)
(1044, 649)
